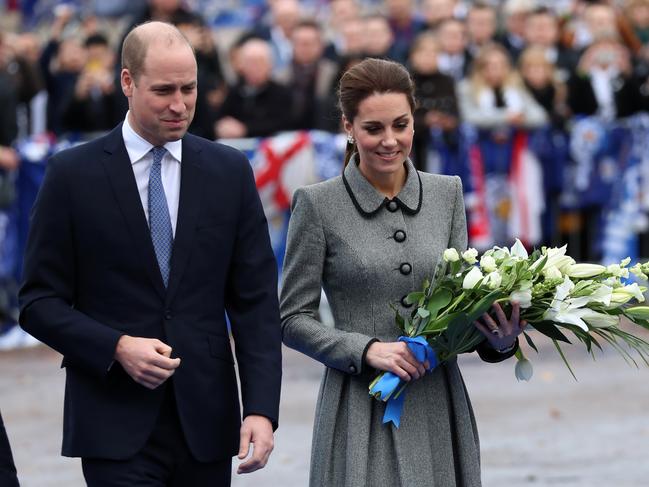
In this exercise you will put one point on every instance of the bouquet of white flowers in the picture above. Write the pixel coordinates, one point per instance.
(556, 296)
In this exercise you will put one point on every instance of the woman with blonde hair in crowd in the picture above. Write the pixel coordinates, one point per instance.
(494, 96)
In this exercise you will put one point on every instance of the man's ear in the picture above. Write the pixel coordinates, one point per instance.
(127, 82)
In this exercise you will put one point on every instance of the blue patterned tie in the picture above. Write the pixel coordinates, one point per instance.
(159, 220)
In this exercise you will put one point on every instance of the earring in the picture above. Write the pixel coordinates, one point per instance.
(350, 139)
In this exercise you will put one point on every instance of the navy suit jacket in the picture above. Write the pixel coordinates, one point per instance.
(91, 275)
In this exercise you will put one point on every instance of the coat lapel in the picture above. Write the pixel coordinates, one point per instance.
(120, 174)
(191, 190)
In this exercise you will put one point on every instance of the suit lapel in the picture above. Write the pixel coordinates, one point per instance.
(120, 174)
(191, 190)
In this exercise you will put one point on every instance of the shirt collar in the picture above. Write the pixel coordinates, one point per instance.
(138, 147)
(368, 201)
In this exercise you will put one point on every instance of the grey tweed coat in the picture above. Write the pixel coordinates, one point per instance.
(367, 252)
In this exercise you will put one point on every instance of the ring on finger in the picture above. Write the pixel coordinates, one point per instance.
(497, 332)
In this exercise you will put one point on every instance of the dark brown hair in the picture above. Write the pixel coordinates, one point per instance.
(372, 76)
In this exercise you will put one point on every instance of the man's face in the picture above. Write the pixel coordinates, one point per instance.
(307, 45)
(163, 100)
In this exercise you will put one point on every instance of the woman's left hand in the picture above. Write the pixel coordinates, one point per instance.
(502, 334)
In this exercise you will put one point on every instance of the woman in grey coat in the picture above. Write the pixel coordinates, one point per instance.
(370, 237)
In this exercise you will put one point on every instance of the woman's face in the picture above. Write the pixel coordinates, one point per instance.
(383, 130)
(424, 57)
(536, 73)
(495, 69)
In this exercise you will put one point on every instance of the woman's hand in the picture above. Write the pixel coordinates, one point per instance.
(397, 358)
(501, 335)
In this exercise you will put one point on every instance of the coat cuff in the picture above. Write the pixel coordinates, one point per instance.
(488, 354)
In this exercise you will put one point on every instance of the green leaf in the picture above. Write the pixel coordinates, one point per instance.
(483, 305)
(436, 326)
(423, 313)
(439, 300)
(550, 330)
(565, 361)
(414, 298)
(529, 341)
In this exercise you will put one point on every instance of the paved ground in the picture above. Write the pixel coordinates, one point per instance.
(550, 432)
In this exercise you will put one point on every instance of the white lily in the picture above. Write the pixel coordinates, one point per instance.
(488, 263)
(624, 294)
(638, 271)
(566, 310)
(473, 277)
(470, 256)
(552, 272)
(600, 320)
(583, 271)
(493, 280)
(625, 262)
(518, 250)
(617, 271)
(451, 255)
(556, 256)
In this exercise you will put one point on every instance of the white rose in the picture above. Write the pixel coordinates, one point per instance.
(488, 263)
(470, 255)
(493, 280)
(451, 255)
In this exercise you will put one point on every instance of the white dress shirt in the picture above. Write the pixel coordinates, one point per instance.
(139, 152)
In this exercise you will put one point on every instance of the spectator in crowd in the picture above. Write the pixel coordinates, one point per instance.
(481, 26)
(284, 15)
(257, 105)
(309, 77)
(434, 12)
(61, 62)
(352, 40)
(542, 31)
(637, 12)
(92, 105)
(405, 25)
(437, 101)
(540, 80)
(454, 58)
(8, 102)
(211, 82)
(593, 21)
(379, 40)
(513, 36)
(550, 146)
(603, 84)
(24, 51)
(494, 96)
(341, 14)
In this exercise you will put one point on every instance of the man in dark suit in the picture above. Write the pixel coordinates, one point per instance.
(8, 476)
(140, 241)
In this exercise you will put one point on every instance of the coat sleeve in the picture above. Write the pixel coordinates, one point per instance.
(47, 295)
(301, 290)
(251, 304)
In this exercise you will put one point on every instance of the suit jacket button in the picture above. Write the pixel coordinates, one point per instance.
(404, 303)
(405, 268)
(393, 206)
(168, 314)
(399, 236)
(352, 369)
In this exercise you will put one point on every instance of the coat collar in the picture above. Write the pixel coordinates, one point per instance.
(368, 201)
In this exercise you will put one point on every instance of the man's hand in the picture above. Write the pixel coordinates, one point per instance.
(258, 430)
(146, 360)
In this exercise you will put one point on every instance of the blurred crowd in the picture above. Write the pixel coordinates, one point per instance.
(513, 62)
(271, 66)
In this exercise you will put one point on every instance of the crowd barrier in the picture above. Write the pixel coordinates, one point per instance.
(517, 184)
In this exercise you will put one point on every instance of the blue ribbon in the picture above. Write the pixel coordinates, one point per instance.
(390, 382)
